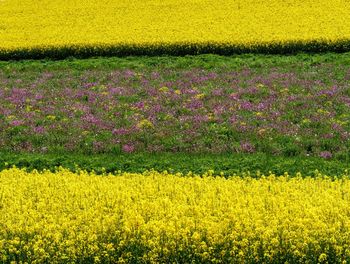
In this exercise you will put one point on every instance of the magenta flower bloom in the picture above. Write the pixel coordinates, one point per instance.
(16, 123)
(39, 130)
(247, 147)
(128, 148)
(326, 154)
(120, 131)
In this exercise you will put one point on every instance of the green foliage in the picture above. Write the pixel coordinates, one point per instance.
(175, 49)
(223, 164)
(205, 61)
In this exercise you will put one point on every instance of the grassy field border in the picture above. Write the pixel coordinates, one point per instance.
(173, 49)
(205, 61)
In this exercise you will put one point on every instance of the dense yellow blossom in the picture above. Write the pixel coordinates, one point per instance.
(161, 217)
(44, 23)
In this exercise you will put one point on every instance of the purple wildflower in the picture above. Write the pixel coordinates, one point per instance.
(128, 148)
(247, 147)
(16, 123)
(39, 130)
(326, 154)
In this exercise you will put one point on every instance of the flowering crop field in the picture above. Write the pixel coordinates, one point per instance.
(73, 27)
(164, 218)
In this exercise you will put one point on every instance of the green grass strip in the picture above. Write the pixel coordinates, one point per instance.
(224, 164)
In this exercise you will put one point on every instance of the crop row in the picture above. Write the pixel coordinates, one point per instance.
(174, 49)
(161, 217)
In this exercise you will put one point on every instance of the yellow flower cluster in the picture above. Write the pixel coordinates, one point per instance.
(47, 23)
(160, 217)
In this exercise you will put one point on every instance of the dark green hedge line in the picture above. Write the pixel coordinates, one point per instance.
(227, 164)
(175, 49)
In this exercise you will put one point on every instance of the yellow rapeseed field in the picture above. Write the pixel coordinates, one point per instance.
(55, 23)
(160, 217)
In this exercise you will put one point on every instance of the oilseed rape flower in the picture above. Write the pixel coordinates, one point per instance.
(144, 123)
(51, 117)
(169, 24)
(164, 218)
